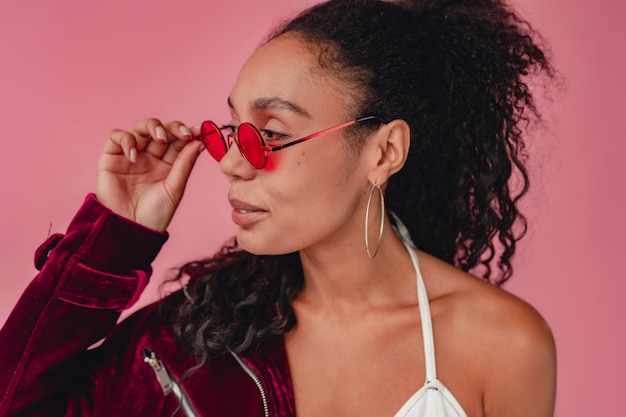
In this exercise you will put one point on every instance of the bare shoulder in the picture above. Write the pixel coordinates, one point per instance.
(487, 310)
(510, 344)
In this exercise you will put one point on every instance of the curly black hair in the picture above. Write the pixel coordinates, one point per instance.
(457, 71)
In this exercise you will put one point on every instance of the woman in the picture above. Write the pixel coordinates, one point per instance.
(360, 131)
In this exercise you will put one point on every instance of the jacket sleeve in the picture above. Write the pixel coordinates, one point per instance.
(87, 277)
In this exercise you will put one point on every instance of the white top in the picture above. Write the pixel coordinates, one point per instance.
(433, 399)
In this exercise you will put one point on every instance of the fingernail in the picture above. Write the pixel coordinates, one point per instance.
(160, 133)
(133, 155)
(185, 130)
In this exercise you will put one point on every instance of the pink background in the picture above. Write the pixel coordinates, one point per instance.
(73, 70)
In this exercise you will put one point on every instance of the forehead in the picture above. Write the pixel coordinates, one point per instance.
(284, 74)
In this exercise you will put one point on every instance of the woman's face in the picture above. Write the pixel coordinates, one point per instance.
(308, 195)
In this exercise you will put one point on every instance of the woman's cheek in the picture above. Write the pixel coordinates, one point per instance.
(273, 161)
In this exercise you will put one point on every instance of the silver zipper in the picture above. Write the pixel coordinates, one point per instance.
(168, 382)
(257, 381)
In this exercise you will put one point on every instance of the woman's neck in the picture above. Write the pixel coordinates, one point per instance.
(344, 280)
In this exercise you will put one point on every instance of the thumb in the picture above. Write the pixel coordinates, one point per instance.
(177, 179)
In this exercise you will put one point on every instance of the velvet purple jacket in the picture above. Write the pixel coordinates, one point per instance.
(87, 276)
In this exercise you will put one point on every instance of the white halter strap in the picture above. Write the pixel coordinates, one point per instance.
(427, 326)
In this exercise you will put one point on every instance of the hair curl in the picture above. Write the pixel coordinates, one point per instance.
(457, 72)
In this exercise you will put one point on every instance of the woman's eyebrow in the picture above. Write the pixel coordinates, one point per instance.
(275, 103)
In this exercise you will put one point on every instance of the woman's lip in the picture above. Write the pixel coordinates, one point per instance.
(243, 206)
(245, 214)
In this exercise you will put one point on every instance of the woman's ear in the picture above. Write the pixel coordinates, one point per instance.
(390, 148)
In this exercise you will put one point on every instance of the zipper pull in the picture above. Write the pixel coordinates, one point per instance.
(164, 378)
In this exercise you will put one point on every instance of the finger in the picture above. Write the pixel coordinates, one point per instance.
(160, 132)
(163, 135)
(178, 134)
(173, 149)
(122, 142)
(195, 131)
(182, 166)
(151, 129)
(178, 130)
(182, 135)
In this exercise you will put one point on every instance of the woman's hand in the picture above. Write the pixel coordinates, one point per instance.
(142, 174)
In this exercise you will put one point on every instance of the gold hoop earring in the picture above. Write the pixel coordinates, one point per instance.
(382, 220)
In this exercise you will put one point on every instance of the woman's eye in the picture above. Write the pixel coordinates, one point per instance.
(271, 135)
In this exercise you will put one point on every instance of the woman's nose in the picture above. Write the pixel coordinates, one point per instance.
(233, 164)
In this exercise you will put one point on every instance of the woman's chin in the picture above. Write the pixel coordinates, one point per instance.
(257, 246)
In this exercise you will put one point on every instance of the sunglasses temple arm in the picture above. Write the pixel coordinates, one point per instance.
(314, 135)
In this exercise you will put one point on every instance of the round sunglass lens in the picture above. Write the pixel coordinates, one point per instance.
(251, 145)
(213, 140)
